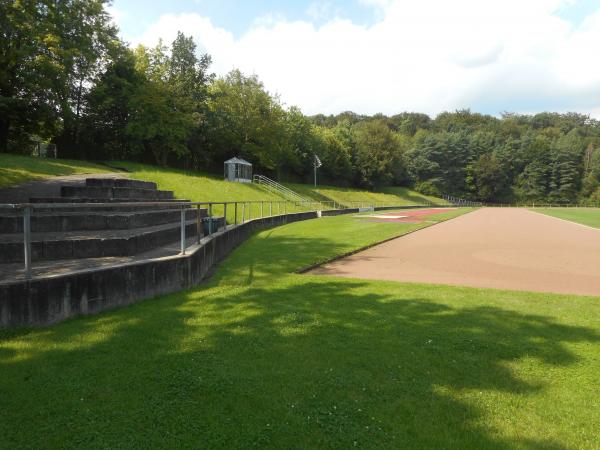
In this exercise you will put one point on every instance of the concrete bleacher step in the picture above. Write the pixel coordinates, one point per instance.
(122, 193)
(59, 220)
(86, 231)
(120, 182)
(93, 244)
(126, 208)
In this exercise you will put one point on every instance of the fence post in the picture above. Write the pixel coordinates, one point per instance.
(199, 232)
(243, 211)
(225, 215)
(210, 214)
(235, 213)
(249, 210)
(182, 226)
(27, 240)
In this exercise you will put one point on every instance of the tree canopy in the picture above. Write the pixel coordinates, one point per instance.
(67, 80)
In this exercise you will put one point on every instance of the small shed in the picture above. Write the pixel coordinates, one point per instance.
(238, 169)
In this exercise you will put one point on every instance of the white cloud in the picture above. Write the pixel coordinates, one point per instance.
(423, 55)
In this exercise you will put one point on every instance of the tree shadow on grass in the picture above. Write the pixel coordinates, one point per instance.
(304, 363)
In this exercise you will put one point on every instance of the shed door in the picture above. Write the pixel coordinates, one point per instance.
(231, 172)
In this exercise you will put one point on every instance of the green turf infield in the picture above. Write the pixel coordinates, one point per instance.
(584, 216)
(262, 357)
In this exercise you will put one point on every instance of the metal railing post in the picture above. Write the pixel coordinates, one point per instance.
(243, 211)
(27, 240)
(225, 214)
(235, 213)
(183, 230)
(249, 210)
(199, 232)
(210, 214)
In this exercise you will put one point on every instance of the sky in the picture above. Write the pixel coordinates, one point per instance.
(389, 56)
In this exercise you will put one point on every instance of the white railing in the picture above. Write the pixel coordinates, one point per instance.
(278, 188)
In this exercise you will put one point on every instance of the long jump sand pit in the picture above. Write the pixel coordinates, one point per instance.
(508, 248)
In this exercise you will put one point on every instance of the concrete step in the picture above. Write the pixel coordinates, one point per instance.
(59, 220)
(96, 244)
(123, 193)
(120, 182)
(51, 200)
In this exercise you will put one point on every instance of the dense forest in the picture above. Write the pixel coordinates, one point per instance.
(68, 82)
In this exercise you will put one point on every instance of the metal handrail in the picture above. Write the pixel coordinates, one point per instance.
(278, 187)
(283, 207)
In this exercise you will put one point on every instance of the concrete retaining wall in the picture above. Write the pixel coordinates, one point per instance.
(49, 300)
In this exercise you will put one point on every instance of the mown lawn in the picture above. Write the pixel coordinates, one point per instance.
(585, 216)
(262, 357)
(16, 169)
(396, 195)
(201, 186)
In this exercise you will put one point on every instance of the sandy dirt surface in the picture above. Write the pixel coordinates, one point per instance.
(506, 248)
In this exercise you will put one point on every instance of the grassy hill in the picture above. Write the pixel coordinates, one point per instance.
(16, 169)
(391, 195)
(199, 186)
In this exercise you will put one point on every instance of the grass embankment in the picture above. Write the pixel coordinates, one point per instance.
(585, 216)
(15, 169)
(264, 358)
(200, 186)
(397, 196)
(204, 187)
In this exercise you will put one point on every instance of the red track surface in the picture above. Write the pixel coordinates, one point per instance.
(507, 248)
(410, 215)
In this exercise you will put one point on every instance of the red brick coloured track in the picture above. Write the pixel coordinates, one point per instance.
(505, 248)
(407, 215)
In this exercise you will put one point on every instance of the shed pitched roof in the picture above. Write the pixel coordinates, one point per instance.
(236, 160)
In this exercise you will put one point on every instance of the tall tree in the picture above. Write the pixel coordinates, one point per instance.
(81, 35)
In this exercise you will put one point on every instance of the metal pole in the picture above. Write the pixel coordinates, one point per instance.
(243, 211)
(225, 214)
(210, 214)
(27, 240)
(235, 213)
(183, 230)
(249, 210)
(198, 225)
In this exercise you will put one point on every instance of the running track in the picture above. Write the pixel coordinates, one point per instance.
(506, 248)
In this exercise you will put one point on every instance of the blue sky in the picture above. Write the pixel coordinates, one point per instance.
(393, 55)
(238, 16)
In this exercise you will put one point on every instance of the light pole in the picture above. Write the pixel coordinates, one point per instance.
(316, 165)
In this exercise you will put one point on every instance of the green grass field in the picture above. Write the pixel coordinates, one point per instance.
(346, 196)
(585, 216)
(200, 186)
(262, 357)
(15, 169)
